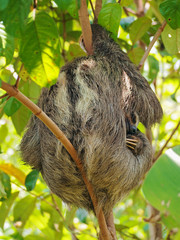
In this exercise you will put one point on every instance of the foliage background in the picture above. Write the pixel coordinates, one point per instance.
(34, 44)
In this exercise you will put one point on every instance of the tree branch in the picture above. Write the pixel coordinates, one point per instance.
(92, 7)
(13, 91)
(156, 36)
(140, 8)
(129, 10)
(86, 28)
(87, 37)
(98, 7)
(166, 143)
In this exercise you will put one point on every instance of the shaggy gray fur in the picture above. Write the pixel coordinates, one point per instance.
(89, 103)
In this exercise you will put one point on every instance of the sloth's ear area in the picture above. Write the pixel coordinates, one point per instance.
(62, 80)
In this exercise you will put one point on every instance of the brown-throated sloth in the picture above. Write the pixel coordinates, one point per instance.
(89, 103)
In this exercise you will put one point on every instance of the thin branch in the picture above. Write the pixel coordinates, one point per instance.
(18, 79)
(13, 91)
(156, 36)
(166, 143)
(129, 10)
(140, 8)
(86, 28)
(56, 207)
(98, 7)
(35, 4)
(4, 95)
(92, 7)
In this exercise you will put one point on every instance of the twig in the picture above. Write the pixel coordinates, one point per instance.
(156, 36)
(129, 10)
(35, 4)
(155, 228)
(4, 95)
(86, 28)
(140, 8)
(70, 228)
(166, 143)
(98, 7)
(18, 79)
(92, 7)
(56, 207)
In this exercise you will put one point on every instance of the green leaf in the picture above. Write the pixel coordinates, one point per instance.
(3, 132)
(7, 44)
(170, 9)
(7, 76)
(28, 87)
(23, 209)
(21, 117)
(0, 82)
(6, 184)
(11, 106)
(5, 208)
(104, 2)
(125, 3)
(153, 67)
(155, 9)
(71, 6)
(161, 187)
(126, 22)
(110, 16)
(3, 4)
(41, 42)
(135, 55)
(3, 194)
(171, 40)
(138, 28)
(146, 38)
(75, 51)
(31, 180)
(14, 16)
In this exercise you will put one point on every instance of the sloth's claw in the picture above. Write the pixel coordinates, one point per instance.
(131, 140)
(129, 146)
(131, 143)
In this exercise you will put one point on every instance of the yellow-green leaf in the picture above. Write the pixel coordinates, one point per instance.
(13, 171)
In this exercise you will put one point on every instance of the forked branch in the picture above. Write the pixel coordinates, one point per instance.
(156, 36)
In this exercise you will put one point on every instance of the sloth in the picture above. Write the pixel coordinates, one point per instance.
(90, 103)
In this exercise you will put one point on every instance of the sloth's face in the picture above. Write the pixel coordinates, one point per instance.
(132, 121)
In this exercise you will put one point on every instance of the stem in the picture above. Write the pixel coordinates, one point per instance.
(98, 7)
(140, 8)
(92, 7)
(18, 79)
(86, 28)
(166, 143)
(129, 10)
(156, 36)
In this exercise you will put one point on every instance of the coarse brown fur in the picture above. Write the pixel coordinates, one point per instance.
(89, 103)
